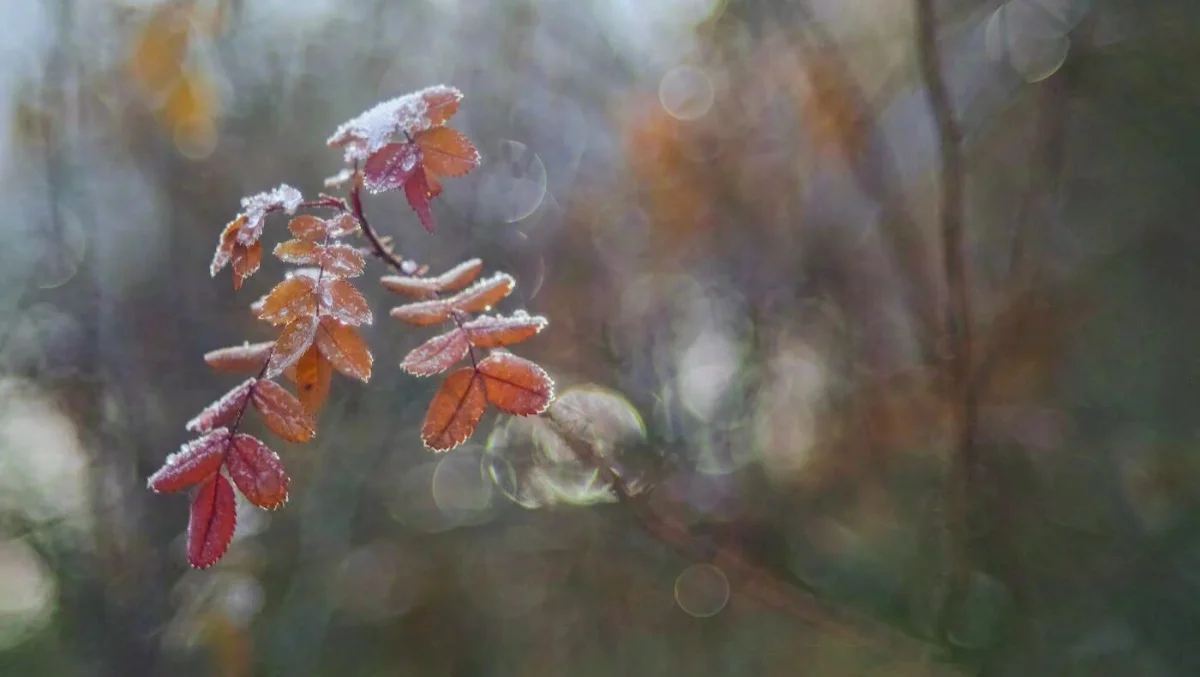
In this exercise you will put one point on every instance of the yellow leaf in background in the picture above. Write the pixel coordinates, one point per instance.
(161, 46)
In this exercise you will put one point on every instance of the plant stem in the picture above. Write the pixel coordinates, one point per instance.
(960, 391)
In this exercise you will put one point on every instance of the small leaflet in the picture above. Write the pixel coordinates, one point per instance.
(365, 134)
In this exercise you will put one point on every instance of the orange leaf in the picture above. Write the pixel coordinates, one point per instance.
(312, 374)
(224, 411)
(295, 338)
(340, 225)
(345, 349)
(448, 152)
(494, 332)
(246, 357)
(246, 261)
(441, 103)
(211, 522)
(225, 245)
(484, 294)
(345, 302)
(423, 313)
(427, 287)
(516, 385)
(257, 472)
(195, 462)
(437, 354)
(283, 413)
(299, 252)
(291, 299)
(308, 227)
(455, 410)
(341, 260)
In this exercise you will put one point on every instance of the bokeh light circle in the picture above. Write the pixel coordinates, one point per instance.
(702, 590)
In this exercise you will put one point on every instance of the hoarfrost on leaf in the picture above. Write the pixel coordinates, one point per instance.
(256, 207)
(408, 114)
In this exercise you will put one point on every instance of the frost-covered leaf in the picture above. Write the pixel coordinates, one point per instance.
(257, 472)
(341, 260)
(391, 167)
(246, 357)
(295, 338)
(437, 354)
(410, 114)
(307, 227)
(455, 410)
(516, 385)
(423, 313)
(298, 252)
(195, 462)
(256, 207)
(496, 331)
(345, 349)
(340, 226)
(311, 374)
(211, 522)
(225, 245)
(224, 411)
(447, 151)
(291, 299)
(452, 280)
(342, 300)
(246, 261)
(419, 192)
(484, 294)
(283, 413)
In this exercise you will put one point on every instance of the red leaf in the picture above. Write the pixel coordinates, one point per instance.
(257, 472)
(423, 313)
(311, 374)
(516, 385)
(341, 260)
(195, 462)
(299, 252)
(484, 294)
(293, 298)
(283, 413)
(455, 410)
(437, 354)
(427, 287)
(224, 411)
(345, 349)
(391, 167)
(211, 523)
(418, 192)
(246, 357)
(345, 302)
(494, 332)
(295, 338)
(246, 261)
(447, 151)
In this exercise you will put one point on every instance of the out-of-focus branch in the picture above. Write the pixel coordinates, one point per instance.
(959, 385)
(751, 580)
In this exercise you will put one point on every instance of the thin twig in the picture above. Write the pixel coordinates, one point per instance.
(356, 208)
(753, 581)
(958, 309)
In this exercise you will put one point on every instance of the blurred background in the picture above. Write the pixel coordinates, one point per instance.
(728, 211)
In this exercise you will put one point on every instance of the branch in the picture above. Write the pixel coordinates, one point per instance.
(962, 395)
(751, 580)
(377, 246)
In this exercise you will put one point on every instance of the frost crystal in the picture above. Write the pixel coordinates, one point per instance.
(256, 207)
(408, 114)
